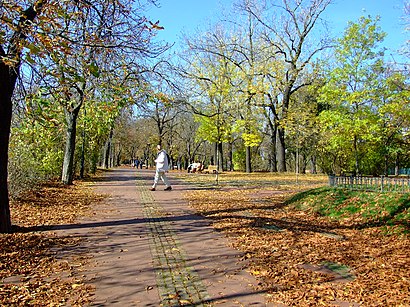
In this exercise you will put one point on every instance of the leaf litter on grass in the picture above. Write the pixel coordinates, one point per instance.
(31, 271)
(302, 264)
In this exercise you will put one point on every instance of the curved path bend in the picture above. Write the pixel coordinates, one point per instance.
(151, 249)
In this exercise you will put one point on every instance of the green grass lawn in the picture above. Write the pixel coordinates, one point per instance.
(357, 208)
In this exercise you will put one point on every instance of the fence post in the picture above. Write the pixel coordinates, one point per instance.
(382, 183)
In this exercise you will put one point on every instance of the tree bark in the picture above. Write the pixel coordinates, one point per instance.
(68, 171)
(82, 162)
(313, 164)
(219, 156)
(248, 159)
(6, 91)
(356, 157)
(273, 134)
(8, 77)
(396, 166)
(230, 157)
(280, 149)
(118, 158)
(214, 158)
(107, 151)
(273, 160)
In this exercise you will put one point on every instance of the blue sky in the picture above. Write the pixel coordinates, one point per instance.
(187, 15)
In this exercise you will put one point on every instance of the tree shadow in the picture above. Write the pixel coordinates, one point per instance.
(301, 225)
(134, 221)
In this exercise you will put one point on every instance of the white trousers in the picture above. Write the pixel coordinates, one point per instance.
(160, 174)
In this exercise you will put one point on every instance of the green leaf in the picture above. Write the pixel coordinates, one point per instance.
(94, 70)
(34, 49)
(30, 59)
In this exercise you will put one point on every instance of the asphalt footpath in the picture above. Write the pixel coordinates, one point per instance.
(148, 248)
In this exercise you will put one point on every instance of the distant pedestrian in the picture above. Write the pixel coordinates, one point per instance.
(161, 168)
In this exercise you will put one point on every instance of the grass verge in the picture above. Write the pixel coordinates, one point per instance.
(357, 209)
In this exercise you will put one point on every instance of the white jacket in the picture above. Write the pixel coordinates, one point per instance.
(162, 161)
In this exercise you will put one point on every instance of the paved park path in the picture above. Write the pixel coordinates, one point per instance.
(150, 249)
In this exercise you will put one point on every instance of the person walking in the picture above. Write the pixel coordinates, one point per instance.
(162, 167)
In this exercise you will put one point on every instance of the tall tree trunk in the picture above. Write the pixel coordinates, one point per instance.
(281, 150)
(107, 150)
(273, 132)
(396, 166)
(118, 158)
(297, 166)
(214, 158)
(230, 154)
(6, 92)
(112, 156)
(356, 156)
(82, 162)
(273, 160)
(386, 165)
(248, 159)
(280, 141)
(313, 164)
(303, 164)
(219, 156)
(68, 164)
(8, 77)
(82, 165)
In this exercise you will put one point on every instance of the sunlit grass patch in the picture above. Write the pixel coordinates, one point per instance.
(282, 181)
(356, 207)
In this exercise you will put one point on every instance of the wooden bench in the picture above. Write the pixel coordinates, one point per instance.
(211, 169)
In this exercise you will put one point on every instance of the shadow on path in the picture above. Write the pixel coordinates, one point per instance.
(188, 217)
(122, 243)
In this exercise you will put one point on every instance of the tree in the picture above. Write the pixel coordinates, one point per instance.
(271, 106)
(160, 108)
(394, 119)
(288, 37)
(35, 151)
(50, 31)
(302, 127)
(10, 63)
(187, 141)
(100, 27)
(212, 77)
(352, 89)
(242, 47)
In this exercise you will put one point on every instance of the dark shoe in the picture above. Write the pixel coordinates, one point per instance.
(168, 188)
(152, 189)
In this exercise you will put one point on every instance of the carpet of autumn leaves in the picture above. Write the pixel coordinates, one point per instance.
(300, 257)
(32, 273)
